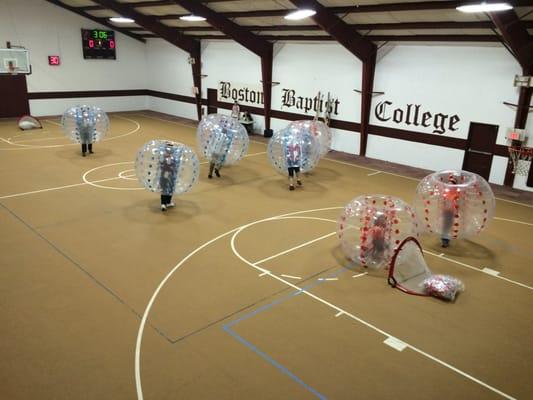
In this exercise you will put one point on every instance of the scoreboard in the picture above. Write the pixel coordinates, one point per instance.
(98, 44)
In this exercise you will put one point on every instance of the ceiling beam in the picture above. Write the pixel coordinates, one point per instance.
(151, 24)
(256, 44)
(244, 37)
(102, 21)
(142, 4)
(348, 37)
(373, 38)
(516, 36)
(374, 8)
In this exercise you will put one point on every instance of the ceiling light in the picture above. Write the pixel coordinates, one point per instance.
(300, 14)
(484, 7)
(122, 20)
(192, 18)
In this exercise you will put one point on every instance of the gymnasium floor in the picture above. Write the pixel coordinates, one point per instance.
(240, 292)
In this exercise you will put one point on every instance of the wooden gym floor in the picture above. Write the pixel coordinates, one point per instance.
(240, 292)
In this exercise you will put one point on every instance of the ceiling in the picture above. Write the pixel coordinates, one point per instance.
(378, 20)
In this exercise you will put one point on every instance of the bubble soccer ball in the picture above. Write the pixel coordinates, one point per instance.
(85, 124)
(167, 167)
(371, 227)
(454, 204)
(293, 147)
(221, 139)
(319, 130)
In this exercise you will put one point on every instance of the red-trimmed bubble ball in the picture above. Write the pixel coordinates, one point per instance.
(371, 227)
(454, 204)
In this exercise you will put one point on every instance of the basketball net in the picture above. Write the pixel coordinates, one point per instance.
(521, 158)
(408, 269)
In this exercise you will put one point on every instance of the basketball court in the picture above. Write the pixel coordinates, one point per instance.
(107, 297)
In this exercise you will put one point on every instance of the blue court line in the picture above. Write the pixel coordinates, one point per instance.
(262, 354)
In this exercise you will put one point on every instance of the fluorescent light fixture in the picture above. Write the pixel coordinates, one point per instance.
(192, 18)
(300, 14)
(122, 20)
(484, 7)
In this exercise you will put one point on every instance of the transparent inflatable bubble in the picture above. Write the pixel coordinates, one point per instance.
(85, 124)
(293, 147)
(167, 167)
(371, 227)
(222, 139)
(319, 130)
(454, 204)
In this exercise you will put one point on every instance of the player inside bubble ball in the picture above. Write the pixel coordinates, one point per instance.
(377, 233)
(293, 155)
(449, 208)
(222, 141)
(167, 180)
(86, 124)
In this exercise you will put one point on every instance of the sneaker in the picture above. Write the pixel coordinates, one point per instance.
(90, 151)
(445, 242)
(83, 154)
(163, 207)
(210, 176)
(171, 204)
(217, 173)
(291, 187)
(299, 182)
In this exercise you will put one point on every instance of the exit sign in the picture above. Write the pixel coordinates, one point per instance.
(54, 60)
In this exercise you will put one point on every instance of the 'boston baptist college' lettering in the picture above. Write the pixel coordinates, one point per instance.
(411, 116)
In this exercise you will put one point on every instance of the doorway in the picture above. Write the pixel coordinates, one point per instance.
(212, 100)
(480, 148)
(14, 98)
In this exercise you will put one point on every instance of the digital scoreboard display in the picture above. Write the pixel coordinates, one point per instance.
(98, 44)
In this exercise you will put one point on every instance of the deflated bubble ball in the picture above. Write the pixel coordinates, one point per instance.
(293, 147)
(371, 227)
(319, 130)
(85, 124)
(222, 139)
(454, 204)
(167, 167)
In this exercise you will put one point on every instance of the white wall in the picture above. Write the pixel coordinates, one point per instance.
(45, 29)
(468, 81)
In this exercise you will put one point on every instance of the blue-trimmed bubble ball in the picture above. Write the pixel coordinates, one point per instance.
(371, 227)
(293, 147)
(85, 124)
(319, 130)
(454, 204)
(221, 139)
(167, 167)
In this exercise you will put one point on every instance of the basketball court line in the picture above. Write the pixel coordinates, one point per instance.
(228, 329)
(360, 320)
(92, 183)
(235, 232)
(32, 147)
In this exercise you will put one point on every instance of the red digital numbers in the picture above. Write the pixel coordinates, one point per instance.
(91, 43)
(111, 44)
(53, 60)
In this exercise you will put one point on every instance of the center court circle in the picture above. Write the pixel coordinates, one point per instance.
(116, 176)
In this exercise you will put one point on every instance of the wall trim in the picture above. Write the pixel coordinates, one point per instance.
(411, 136)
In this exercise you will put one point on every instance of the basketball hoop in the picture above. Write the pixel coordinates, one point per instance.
(521, 158)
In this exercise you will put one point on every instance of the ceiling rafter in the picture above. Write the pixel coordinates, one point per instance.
(184, 42)
(142, 4)
(378, 26)
(516, 36)
(252, 42)
(373, 38)
(348, 37)
(411, 6)
(102, 21)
